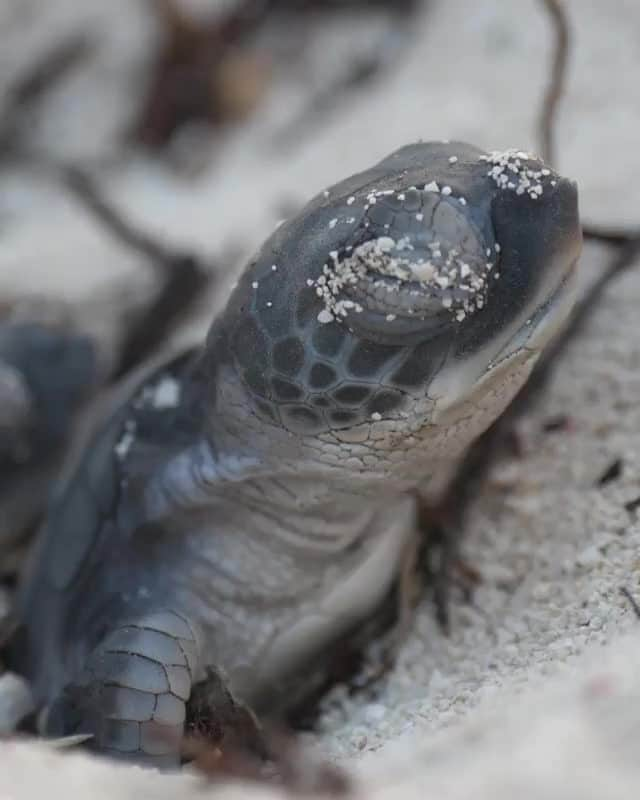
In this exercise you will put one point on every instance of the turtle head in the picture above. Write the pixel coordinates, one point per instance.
(403, 294)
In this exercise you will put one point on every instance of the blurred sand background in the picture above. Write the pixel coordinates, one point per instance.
(536, 692)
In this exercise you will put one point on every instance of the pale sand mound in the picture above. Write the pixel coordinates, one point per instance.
(576, 737)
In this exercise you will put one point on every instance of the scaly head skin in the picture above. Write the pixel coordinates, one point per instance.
(385, 326)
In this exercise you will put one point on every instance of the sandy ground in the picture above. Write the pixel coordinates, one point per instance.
(536, 690)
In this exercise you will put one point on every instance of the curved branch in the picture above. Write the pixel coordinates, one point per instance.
(557, 79)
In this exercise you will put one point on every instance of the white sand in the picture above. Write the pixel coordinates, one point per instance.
(505, 706)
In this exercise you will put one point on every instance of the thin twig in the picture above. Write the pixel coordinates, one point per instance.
(547, 124)
(48, 70)
(635, 606)
(609, 235)
(41, 77)
(183, 275)
(85, 189)
(360, 73)
(184, 284)
(557, 80)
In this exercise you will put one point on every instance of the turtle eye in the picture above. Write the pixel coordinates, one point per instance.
(426, 271)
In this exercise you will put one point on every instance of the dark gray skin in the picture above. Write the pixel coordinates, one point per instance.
(46, 373)
(252, 501)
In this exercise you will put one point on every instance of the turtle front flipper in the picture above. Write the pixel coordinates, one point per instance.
(132, 694)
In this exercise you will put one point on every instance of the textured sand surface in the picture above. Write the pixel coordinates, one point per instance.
(536, 691)
(573, 738)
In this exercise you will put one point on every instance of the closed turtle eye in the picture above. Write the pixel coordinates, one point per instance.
(425, 272)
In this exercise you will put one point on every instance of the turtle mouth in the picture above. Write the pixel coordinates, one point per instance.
(544, 323)
(516, 357)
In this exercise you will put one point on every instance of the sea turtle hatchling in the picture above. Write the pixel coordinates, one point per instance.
(250, 501)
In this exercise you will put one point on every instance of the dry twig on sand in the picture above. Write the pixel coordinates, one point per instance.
(31, 87)
(547, 124)
(557, 79)
(183, 276)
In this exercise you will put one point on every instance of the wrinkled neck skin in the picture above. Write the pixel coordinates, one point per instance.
(328, 486)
